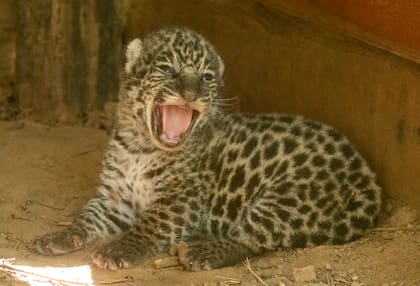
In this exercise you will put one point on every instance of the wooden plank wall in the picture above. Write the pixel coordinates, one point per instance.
(7, 59)
(283, 56)
(68, 56)
(329, 60)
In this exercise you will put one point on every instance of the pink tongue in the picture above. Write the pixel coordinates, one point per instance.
(175, 120)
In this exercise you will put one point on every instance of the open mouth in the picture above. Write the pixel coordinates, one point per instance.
(172, 123)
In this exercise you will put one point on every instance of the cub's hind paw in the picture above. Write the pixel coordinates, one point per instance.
(58, 243)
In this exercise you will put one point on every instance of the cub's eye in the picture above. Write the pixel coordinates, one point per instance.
(207, 77)
(166, 69)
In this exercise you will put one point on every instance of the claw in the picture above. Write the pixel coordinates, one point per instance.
(110, 257)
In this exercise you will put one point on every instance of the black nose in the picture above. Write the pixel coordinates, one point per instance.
(189, 86)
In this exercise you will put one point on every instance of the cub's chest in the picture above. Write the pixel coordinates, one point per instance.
(142, 175)
(154, 172)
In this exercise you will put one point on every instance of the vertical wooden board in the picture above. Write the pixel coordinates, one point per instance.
(68, 58)
(42, 57)
(7, 61)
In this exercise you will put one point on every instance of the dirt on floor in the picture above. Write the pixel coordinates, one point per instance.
(48, 173)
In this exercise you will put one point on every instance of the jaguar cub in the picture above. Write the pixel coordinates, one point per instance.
(220, 187)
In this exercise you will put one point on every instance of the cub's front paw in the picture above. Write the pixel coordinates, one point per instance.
(113, 256)
(59, 243)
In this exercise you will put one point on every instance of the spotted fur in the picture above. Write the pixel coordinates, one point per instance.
(237, 184)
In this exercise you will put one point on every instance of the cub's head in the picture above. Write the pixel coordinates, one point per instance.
(173, 80)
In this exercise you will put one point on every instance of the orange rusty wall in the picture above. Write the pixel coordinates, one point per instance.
(395, 20)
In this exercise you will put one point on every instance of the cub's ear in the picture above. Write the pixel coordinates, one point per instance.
(221, 66)
(133, 53)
